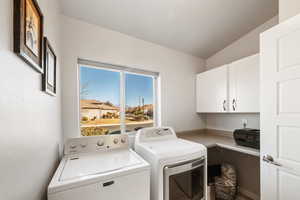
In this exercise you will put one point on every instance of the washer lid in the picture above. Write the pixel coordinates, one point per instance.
(97, 163)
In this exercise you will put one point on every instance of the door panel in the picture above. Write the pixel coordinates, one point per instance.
(212, 90)
(288, 101)
(289, 138)
(288, 54)
(289, 186)
(280, 111)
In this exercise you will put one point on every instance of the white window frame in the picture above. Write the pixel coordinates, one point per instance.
(124, 70)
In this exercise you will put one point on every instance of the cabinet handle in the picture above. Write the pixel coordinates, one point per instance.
(233, 104)
(224, 105)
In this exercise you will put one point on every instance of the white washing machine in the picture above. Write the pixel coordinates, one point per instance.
(178, 167)
(100, 167)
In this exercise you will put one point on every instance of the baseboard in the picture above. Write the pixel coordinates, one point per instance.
(249, 194)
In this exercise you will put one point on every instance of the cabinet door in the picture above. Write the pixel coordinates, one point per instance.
(212, 90)
(244, 85)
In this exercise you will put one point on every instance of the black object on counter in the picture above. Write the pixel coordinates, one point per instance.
(247, 137)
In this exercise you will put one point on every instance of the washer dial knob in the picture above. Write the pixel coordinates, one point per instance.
(116, 140)
(83, 145)
(123, 140)
(100, 142)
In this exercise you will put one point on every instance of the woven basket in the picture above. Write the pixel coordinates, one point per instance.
(226, 185)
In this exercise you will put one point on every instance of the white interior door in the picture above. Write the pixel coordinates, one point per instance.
(244, 85)
(212, 90)
(280, 112)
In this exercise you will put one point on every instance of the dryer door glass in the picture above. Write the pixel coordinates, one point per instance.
(184, 182)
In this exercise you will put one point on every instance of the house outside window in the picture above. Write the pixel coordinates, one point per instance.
(115, 99)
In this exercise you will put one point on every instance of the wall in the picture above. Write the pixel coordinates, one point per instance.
(243, 47)
(229, 122)
(288, 8)
(30, 120)
(177, 71)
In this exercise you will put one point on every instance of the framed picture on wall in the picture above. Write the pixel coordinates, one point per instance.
(49, 76)
(28, 33)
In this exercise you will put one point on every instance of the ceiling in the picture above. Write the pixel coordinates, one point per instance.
(197, 27)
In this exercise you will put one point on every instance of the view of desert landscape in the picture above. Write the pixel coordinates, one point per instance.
(101, 118)
(100, 101)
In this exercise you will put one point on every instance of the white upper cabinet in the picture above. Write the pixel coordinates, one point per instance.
(212, 90)
(230, 88)
(244, 85)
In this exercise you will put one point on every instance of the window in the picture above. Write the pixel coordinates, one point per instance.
(116, 99)
(139, 101)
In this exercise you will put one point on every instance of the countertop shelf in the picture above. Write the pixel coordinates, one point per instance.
(215, 138)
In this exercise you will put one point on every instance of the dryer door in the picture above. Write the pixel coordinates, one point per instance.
(185, 181)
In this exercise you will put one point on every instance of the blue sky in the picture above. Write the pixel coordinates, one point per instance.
(104, 85)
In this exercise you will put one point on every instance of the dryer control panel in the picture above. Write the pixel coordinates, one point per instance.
(95, 143)
(155, 133)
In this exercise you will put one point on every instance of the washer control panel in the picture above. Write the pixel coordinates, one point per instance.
(95, 143)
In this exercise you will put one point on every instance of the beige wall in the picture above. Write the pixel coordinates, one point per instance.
(243, 47)
(30, 119)
(177, 71)
(288, 8)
